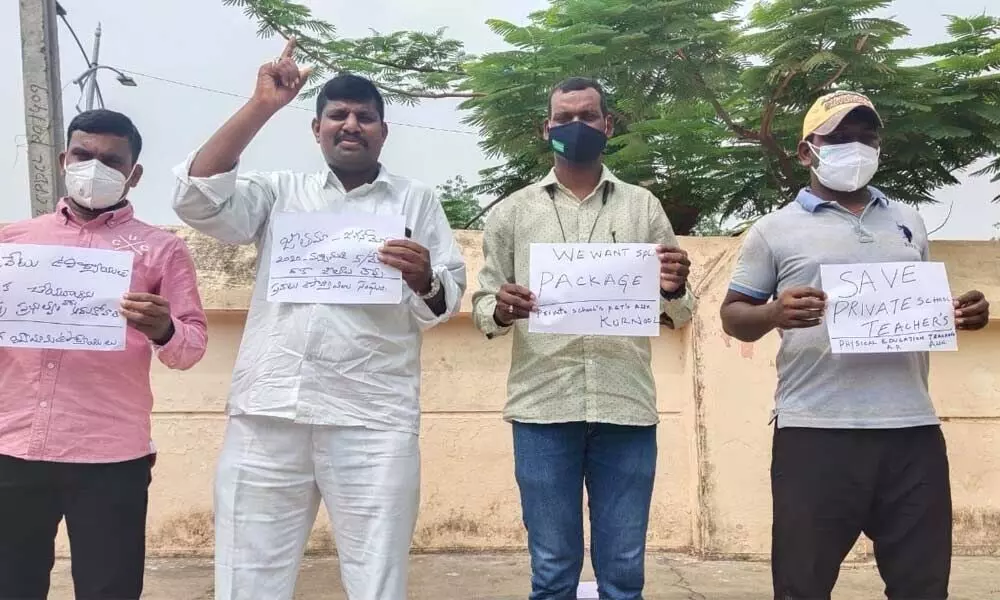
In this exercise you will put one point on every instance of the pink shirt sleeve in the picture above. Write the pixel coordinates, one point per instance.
(179, 286)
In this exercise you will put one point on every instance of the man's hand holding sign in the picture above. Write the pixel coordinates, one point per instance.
(412, 260)
(972, 311)
(797, 308)
(675, 266)
(150, 315)
(513, 302)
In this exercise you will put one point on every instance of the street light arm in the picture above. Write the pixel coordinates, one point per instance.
(96, 68)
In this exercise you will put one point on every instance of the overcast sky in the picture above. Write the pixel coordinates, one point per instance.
(203, 43)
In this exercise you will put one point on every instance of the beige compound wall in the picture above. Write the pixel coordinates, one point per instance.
(715, 394)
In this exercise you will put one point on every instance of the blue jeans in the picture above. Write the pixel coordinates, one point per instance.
(552, 463)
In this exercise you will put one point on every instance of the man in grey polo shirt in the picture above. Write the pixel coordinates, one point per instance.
(857, 446)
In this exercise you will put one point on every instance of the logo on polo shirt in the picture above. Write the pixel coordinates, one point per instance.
(906, 232)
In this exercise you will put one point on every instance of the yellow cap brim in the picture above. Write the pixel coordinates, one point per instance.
(834, 121)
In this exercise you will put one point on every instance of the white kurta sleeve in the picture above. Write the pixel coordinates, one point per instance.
(229, 207)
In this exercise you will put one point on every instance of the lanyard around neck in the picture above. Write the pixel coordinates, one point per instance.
(551, 190)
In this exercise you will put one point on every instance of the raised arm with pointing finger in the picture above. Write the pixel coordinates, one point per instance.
(237, 217)
(278, 83)
(325, 397)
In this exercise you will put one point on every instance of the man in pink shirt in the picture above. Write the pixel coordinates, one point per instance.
(75, 424)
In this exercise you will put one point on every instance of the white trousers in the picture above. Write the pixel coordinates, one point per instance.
(271, 476)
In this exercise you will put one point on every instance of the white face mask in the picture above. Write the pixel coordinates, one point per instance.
(94, 185)
(845, 167)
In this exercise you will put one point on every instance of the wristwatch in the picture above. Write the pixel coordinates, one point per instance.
(674, 295)
(435, 289)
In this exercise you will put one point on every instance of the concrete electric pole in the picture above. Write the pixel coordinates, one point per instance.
(43, 117)
(92, 80)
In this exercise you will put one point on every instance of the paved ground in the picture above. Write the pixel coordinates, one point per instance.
(489, 577)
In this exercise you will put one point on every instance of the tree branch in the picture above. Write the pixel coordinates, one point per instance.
(860, 46)
(427, 93)
(392, 65)
(831, 80)
(482, 212)
(786, 175)
(265, 18)
(719, 109)
(766, 141)
(392, 90)
(772, 106)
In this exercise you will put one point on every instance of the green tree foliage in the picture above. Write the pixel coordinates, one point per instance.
(460, 203)
(708, 108)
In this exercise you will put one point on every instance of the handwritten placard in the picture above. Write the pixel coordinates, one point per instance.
(332, 258)
(62, 297)
(888, 307)
(595, 289)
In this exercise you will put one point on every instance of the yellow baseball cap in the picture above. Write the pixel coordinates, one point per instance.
(827, 113)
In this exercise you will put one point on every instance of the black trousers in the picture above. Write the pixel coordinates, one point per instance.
(830, 485)
(105, 510)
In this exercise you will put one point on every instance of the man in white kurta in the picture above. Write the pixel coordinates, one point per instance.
(325, 398)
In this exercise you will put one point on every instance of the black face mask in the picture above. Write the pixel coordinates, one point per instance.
(577, 142)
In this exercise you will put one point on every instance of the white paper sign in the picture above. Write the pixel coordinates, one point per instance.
(62, 297)
(888, 307)
(332, 258)
(595, 289)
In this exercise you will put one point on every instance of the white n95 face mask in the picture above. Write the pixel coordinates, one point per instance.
(94, 185)
(845, 167)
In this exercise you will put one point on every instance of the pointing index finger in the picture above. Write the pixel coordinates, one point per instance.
(289, 50)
